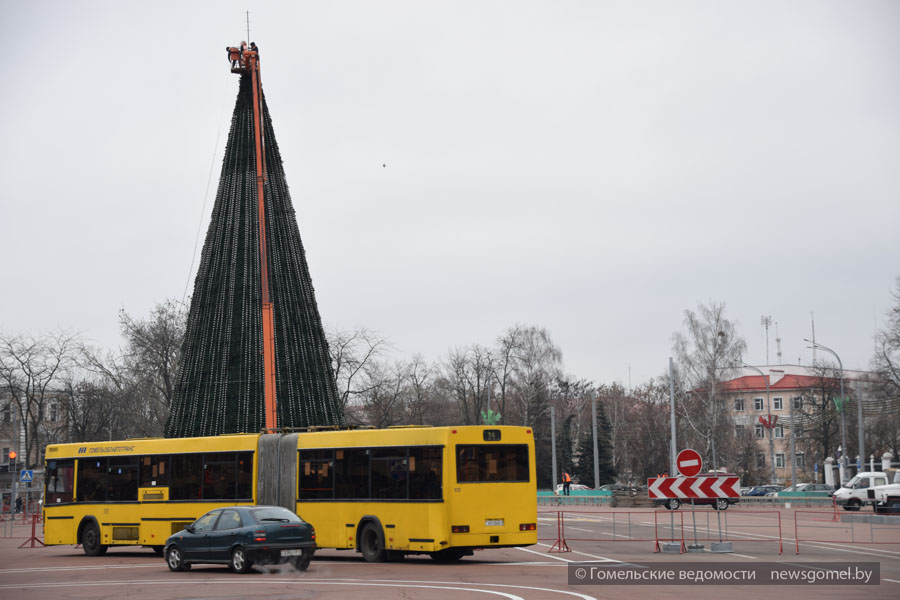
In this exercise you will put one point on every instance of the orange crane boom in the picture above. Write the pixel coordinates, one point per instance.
(249, 61)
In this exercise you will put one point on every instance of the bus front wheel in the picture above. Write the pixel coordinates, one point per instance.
(90, 541)
(371, 544)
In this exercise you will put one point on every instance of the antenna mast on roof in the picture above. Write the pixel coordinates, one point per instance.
(248, 26)
(812, 320)
(765, 321)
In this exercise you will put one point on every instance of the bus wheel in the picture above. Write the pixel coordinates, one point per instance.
(90, 541)
(158, 550)
(240, 562)
(447, 556)
(370, 544)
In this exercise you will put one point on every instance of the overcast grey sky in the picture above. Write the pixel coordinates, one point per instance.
(594, 168)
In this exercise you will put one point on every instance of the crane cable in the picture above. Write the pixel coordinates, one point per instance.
(212, 164)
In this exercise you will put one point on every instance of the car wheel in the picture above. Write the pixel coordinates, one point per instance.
(894, 507)
(371, 544)
(175, 560)
(90, 541)
(301, 563)
(240, 562)
(673, 504)
(447, 556)
(854, 504)
(721, 504)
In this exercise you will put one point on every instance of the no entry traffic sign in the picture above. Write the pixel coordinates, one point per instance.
(688, 462)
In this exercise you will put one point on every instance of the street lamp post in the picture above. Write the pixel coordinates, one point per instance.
(768, 424)
(844, 410)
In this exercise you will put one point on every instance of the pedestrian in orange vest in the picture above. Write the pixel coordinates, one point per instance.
(567, 482)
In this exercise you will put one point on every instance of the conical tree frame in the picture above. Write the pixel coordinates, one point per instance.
(219, 384)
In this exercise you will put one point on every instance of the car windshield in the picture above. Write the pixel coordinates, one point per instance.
(281, 515)
(851, 483)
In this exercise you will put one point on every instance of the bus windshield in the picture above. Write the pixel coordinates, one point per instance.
(491, 462)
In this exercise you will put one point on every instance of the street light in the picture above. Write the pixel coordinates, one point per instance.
(768, 423)
(862, 453)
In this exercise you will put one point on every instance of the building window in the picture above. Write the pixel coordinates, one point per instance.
(777, 403)
(5, 455)
(757, 404)
(761, 459)
(738, 431)
(779, 460)
(54, 411)
(758, 429)
(779, 431)
(7, 415)
(799, 460)
(739, 405)
(798, 402)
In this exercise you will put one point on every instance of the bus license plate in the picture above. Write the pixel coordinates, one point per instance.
(493, 522)
(291, 552)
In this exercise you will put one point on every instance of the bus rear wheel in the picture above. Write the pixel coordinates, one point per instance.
(90, 541)
(371, 544)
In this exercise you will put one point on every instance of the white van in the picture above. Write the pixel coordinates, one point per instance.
(853, 494)
(886, 498)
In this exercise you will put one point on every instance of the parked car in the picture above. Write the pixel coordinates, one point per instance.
(572, 488)
(243, 536)
(762, 490)
(614, 487)
(806, 490)
(716, 503)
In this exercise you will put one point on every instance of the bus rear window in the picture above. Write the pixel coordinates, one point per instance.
(491, 463)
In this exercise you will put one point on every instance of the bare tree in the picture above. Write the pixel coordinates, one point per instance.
(708, 351)
(152, 354)
(467, 374)
(887, 356)
(32, 371)
(537, 362)
(350, 352)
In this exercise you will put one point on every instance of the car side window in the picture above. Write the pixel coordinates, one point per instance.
(230, 519)
(862, 483)
(206, 522)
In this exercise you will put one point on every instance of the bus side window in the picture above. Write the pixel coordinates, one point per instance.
(154, 471)
(186, 472)
(92, 480)
(426, 469)
(123, 478)
(351, 474)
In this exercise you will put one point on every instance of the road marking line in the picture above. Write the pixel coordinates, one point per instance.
(439, 585)
(544, 554)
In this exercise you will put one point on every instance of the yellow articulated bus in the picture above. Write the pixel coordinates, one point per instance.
(442, 491)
